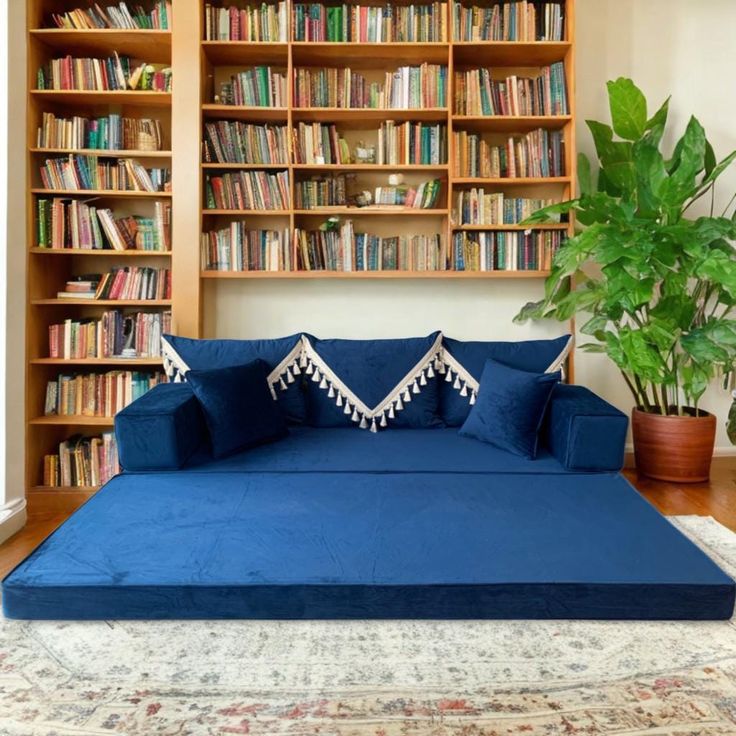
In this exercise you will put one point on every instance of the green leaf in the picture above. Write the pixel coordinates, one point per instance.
(710, 158)
(628, 109)
(602, 136)
(657, 123)
(585, 178)
(681, 184)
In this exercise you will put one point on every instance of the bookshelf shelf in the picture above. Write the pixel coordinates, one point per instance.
(367, 55)
(517, 182)
(263, 167)
(388, 168)
(132, 362)
(94, 97)
(74, 421)
(152, 45)
(510, 228)
(101, 302)
(386, 211)
(100, 193)
(102, 253)
(359, 275)
(103, 152)
(64, 490)
(252, 114)
(509, 123)
(510, 53)
(229, 53)
(347, 116)
(251, 213)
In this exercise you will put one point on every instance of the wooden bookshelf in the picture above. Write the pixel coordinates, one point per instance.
(49, 268)
(198, 65)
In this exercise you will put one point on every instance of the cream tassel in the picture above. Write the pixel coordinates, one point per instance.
(448, 376)
(355, 417)
(383, 421)
(282, 385)
(391, 412)
(316, 376)
(374, 429)
(303, 360)
(464, 390)
(347, 410)
(289, 376)
(363, 423)
(407, 396)
(423, 379)
(338, 400)
(472, 398)
(415, 387)
(296, 370)
(177, 377)
(399, 405)
(331, 392)
(457, 382)
(310, 368)
(430, 371)
(323, 383)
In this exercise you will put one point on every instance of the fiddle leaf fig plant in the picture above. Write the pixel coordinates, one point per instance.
(655, 285)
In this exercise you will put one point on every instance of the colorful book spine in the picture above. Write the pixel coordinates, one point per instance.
(412, 143)
(82, 172)
(112, 132)
(234, 142)
(319, 143)
(82, 461)
(237, 248)
(116, 16)
(478, 207)
(248, 190)
(532, 250)
(259, 86)
(257, 23)
(521, 20)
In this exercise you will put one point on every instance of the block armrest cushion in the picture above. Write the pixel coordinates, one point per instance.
(583, 431)
(160, 430)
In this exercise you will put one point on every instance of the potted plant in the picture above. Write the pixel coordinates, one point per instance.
(657, 285)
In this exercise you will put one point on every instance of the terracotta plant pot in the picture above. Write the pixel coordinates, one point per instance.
(674, 448)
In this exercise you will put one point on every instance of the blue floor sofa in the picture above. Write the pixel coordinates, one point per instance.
(404, 519)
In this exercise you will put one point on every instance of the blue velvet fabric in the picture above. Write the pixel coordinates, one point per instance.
(238, 407)
(583, 431)
(527, 355)
(343, 450)
(209, 354)
(161, 429)
(343, 545)
(371, 369)
(510, 408)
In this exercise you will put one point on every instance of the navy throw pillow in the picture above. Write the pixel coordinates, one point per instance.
(466, 359)
(510, 407)
(238, 407)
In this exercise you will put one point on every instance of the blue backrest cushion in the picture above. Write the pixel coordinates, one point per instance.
(510, 407)
(373, 383)
(183, 353)
(465, 361)
(238, 407)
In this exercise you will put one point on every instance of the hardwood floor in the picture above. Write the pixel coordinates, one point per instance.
(716, 498)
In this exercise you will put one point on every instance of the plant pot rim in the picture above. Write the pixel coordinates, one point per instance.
(703, 414)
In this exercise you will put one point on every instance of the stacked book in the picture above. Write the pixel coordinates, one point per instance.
(234, 142)
(478, 207)
(236, 248)
(112, 132)
(370, 24)
(409, 87)
(478, 93)
(120, 16)
(505, 251)
(65, 223)
(114, 73)
(520, 20)
(321, 191)
(346, 250)
(82, 172)
(135, 282)
(97, 394)
(263, 22)
(319, 143)
(536, 154)
(114, 335)
(82, 461)
(422, 196)
(248, 190)
(412, 143)
(259, 86)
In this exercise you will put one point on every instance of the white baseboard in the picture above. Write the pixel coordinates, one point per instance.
(12, 518)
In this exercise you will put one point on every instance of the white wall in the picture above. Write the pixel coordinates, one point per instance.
(676, 47)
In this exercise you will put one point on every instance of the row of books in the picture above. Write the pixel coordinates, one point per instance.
(121, 284)
(82, 461)
(248, 190)
(321, 191)
(97, 394)
(116, 334)
(520, 20)
(91, 172)
(346, 250)
(319, 143)
(259, 86)
(392, 23)
(112, 132)
(409, 87)
(264, 22)
(110, 16)
(423, 196)
(478, 93)
(65, 223)
(505, 251)
(236, 248)
(235, 142)
(412, 143)
(477, 207)
(114, 73)
(537, 154)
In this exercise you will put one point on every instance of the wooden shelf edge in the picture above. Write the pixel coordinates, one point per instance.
(103, 302)
(117, 153)
(72, 421)
(101, 252)
(374, 274)
(100, 193)
(132, 362)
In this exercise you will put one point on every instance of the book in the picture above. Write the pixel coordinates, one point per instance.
(258, 86)
(412, 143)
(82, 171)
(234, 142)
(82, 461)
(476, 206)
(538, 154)
(133, 283)
(393, 23)
(258, 23)
(520, 20)
(478, 92)
(114, 335)
(114, 73)
(238, 248)
(319, 143)
(248, 190)
(531, 250)
(72, 223)
(111, 132)
(80, 287)
(97, 394)
(96, 16)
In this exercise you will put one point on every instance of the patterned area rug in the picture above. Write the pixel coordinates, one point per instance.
(374, 678)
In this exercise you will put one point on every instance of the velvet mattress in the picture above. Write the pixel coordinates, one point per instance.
(321, 545)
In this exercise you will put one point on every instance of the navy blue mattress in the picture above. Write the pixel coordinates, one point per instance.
(315, 545)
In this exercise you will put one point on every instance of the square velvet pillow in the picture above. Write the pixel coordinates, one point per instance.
(238, 407)
(510, 408)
